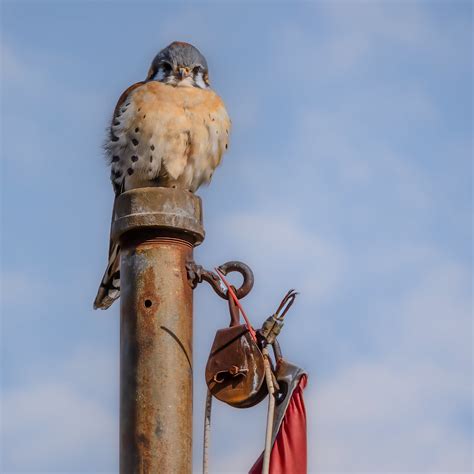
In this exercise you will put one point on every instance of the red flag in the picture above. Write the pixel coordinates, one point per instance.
(289, 448)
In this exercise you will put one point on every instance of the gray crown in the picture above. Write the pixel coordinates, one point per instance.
(178, 54)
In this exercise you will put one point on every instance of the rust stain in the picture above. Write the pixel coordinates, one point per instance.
(157, 307)
(235, 370)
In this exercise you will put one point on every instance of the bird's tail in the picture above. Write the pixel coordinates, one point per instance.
(109, 289)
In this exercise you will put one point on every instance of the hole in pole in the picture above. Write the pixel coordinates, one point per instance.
(148, 303)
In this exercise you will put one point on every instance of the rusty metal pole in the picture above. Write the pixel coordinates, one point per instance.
(157, 229)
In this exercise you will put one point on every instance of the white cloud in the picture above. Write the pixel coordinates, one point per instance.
(12, 68)
(375, 417)
(355, 31)
(280, 243)
(63, 418)
(405, 409)
(437, 314)
(22, 287)
(50, 426)
(18, 72)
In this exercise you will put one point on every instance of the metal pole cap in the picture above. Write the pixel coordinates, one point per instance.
(171, 209)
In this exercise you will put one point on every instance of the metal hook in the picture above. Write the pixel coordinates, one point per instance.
(247, 275)
(198, 274)
(288, 300)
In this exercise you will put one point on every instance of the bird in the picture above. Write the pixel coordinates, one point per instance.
(170, 130)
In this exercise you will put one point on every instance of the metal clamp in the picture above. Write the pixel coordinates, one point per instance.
(197, 274)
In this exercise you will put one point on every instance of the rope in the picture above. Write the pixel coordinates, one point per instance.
(270, 413)
(207, 433)
(271, 391)
(231, 292)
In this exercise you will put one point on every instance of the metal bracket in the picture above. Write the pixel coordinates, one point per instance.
(197, 274)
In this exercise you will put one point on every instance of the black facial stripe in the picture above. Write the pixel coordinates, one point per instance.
(173, 78)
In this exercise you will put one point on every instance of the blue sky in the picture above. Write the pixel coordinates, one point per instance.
(348, 178)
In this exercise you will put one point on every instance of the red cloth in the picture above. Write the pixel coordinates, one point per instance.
(289, 454)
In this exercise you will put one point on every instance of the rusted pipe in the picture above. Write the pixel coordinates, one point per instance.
(157, 228)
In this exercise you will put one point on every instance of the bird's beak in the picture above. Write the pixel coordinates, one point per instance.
(184, 72)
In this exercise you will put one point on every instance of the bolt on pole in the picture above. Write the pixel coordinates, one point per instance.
(157, 229)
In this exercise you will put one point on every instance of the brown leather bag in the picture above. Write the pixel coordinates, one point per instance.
(235, 372)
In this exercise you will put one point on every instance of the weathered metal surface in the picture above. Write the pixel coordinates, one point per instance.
(164, 208)
(235, 368)
(156, 330)
(156, 357)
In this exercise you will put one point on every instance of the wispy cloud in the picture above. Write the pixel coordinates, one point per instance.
(20, 288)
(281, 241)
(59, 420)
(12, 68)
(415, 392)
(392, 398)
(355, 31)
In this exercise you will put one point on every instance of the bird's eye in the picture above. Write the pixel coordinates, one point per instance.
(166, 67)
(196, 69)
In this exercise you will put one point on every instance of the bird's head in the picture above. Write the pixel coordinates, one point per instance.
(181, 65)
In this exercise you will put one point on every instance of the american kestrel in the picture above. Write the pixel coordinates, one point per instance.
(170, 130)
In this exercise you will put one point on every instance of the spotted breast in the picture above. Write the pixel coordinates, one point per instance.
(161, 135)
(169, 136)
